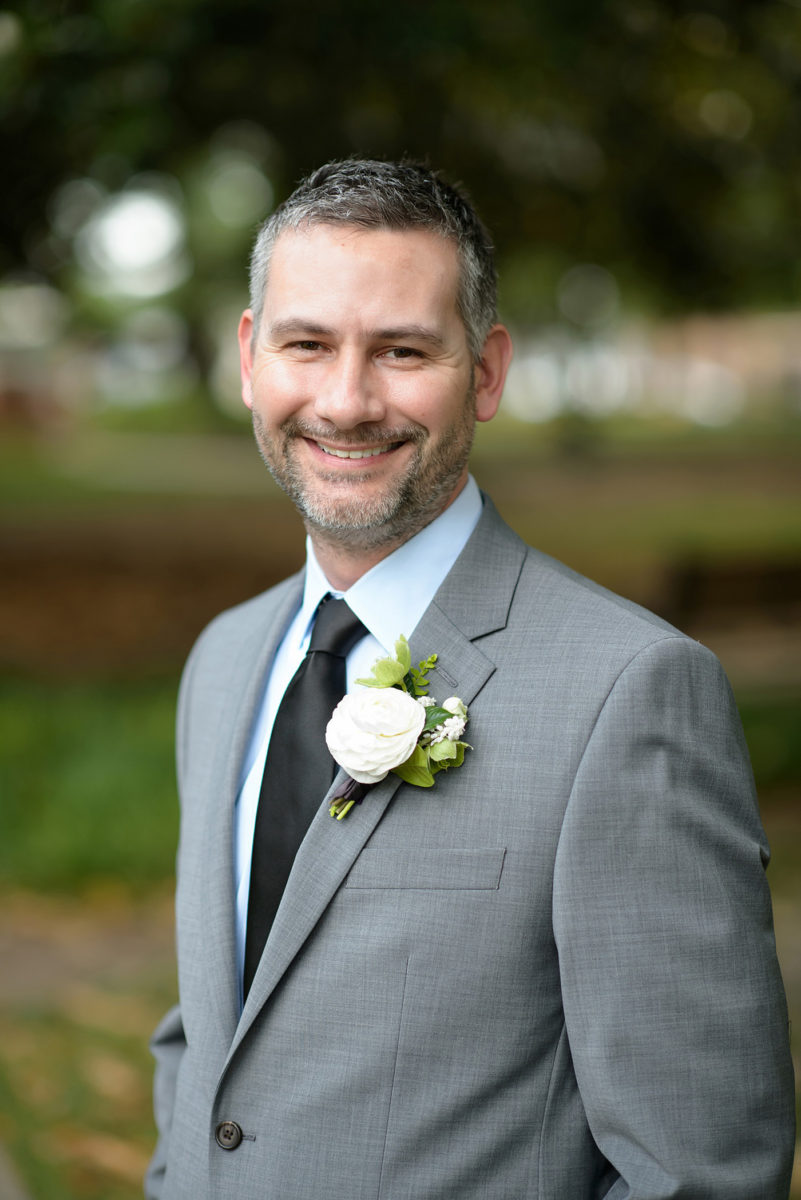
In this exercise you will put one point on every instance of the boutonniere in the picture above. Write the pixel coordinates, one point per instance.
(394, 726)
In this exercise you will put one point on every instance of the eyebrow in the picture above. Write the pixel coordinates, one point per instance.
(400, 333)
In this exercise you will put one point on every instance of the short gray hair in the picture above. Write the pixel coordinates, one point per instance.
(369, 194)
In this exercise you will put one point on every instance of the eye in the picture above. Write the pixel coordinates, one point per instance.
(306, 345)
(401, 352)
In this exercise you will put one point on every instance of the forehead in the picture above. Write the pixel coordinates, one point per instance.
(345, 265)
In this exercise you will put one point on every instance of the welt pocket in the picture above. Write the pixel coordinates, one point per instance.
(435, 869)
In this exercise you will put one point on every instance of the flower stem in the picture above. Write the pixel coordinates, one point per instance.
(351, 793)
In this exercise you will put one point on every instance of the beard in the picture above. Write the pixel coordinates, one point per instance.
(334, 508)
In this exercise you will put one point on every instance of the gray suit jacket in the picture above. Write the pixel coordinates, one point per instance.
(552, 975)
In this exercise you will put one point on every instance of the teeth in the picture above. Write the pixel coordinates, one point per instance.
(353, 453)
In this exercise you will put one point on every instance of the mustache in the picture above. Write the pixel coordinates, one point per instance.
(361, 435)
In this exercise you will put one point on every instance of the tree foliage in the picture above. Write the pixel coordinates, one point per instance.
(658, 138)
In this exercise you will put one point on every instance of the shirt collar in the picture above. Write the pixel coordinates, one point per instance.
(392, 596)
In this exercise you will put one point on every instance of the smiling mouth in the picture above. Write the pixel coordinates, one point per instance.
(371, 453)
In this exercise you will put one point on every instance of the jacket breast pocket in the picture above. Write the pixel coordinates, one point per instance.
(429, 869)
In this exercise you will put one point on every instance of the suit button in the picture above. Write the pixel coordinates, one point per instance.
(228, 1135)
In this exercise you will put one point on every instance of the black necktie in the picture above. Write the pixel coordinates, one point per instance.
(299, 769)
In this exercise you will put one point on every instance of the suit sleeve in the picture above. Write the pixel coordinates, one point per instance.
(672, 996)
(168, 1042)
(167, 1046)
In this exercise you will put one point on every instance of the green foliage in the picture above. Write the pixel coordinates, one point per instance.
(402, 653)
(656, 139)
(87, 783)
(399, 672)
(386, 673)
(416, 770)
(418, 683)
(442, 752)
(435, 715)
(67, 1137)
(445, 754)
(773, 731)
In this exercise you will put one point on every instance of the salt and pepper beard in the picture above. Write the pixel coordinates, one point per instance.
(409, 503)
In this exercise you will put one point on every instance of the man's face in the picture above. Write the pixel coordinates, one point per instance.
(360, 380)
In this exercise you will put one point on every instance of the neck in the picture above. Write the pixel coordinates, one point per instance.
(344, 565)
(345, 556)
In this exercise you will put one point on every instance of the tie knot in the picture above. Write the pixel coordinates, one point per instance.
(336, 629)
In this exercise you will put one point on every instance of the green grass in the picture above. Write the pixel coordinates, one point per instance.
(87, 778)
(773, 732)
(70, 1092)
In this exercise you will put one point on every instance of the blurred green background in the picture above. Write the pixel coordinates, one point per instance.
(638, 163)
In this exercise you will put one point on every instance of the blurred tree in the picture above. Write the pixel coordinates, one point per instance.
(657, 138)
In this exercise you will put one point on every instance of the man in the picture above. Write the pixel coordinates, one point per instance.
(552, 974)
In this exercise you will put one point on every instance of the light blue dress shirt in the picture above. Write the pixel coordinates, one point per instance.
(389, 600)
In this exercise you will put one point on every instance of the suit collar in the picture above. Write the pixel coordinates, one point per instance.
(477, 593)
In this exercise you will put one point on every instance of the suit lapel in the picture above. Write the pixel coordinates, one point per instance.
(324, 858)
(473, 601)
(217, 928)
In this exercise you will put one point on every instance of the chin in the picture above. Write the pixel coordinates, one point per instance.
(354, 515)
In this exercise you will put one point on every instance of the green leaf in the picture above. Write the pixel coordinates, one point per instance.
(417, 776)
(403, 654)
(387, 672)
(442, 751)
(415, 769)
(445, 764)
(419, 678)
(435, 716)
(370, 681)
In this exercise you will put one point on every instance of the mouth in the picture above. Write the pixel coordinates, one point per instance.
(372, 452)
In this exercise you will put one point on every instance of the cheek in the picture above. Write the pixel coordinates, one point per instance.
(443, 415)
(410, 401)
(277, 392)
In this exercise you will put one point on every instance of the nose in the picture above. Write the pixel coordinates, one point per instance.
(348, 395)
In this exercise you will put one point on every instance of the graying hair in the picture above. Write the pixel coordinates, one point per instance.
(369, 194)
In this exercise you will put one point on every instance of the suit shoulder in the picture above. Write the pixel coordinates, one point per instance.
(565, 627)
(525, 598)
(235, 626)
(232, 652)
(570, 605)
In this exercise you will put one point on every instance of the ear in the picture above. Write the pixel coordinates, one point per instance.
(490, 372)
(246, 355)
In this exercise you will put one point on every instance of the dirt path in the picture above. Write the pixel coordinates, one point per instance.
(83, 984)
(55, 945)
(10, 1186)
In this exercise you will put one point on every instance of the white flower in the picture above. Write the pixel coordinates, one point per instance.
(452, 729)
(371, 732)
(454, 705)
(426, 701)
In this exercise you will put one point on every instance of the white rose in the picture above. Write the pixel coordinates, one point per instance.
(454, 705)
(371, 732)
